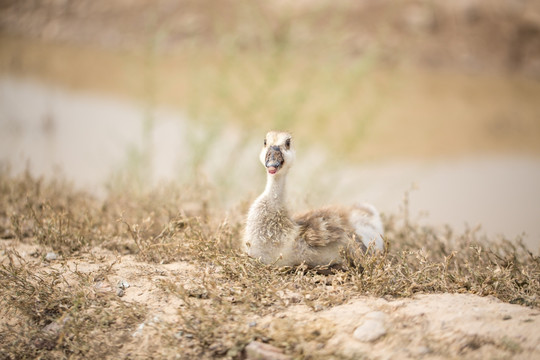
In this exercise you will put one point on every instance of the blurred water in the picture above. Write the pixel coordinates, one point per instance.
(49, 130)
(501, 194)
(87, 138)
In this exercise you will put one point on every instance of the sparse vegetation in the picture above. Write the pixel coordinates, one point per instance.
(52, 309)
(47, 316)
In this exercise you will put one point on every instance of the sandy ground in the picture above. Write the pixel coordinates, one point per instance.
(435, 326)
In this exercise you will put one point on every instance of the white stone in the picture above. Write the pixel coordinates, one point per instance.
(123, 284)
(372, 328)
(256, 350)
(51, 256)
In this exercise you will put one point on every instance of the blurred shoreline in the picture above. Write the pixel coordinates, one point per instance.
(92, 140)
(463, 36)
(383, 114)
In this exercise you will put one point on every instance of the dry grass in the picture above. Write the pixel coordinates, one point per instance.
(52, 311)
(49, 317)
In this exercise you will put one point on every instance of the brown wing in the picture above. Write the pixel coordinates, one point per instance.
(324, 227)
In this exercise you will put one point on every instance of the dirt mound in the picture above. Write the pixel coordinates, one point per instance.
(427, 326)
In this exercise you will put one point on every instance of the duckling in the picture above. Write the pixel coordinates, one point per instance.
(315, 238)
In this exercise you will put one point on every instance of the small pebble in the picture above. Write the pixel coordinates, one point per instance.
(53, 328)
(120, 292)
(423, 350)
(139, 330)
(372, 328)
(103, 287)
(256, 350)
(123, 284)
(51, 256)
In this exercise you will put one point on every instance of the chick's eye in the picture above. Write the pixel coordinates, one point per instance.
(264, 142)
(288, 143)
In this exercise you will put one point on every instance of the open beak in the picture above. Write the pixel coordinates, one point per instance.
(274, 159)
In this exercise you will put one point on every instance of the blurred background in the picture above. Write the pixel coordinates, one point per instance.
(439, 100)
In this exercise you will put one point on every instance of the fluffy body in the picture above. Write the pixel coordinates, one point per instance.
(316, 237)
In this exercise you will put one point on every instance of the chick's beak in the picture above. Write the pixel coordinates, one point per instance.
(274, 159)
